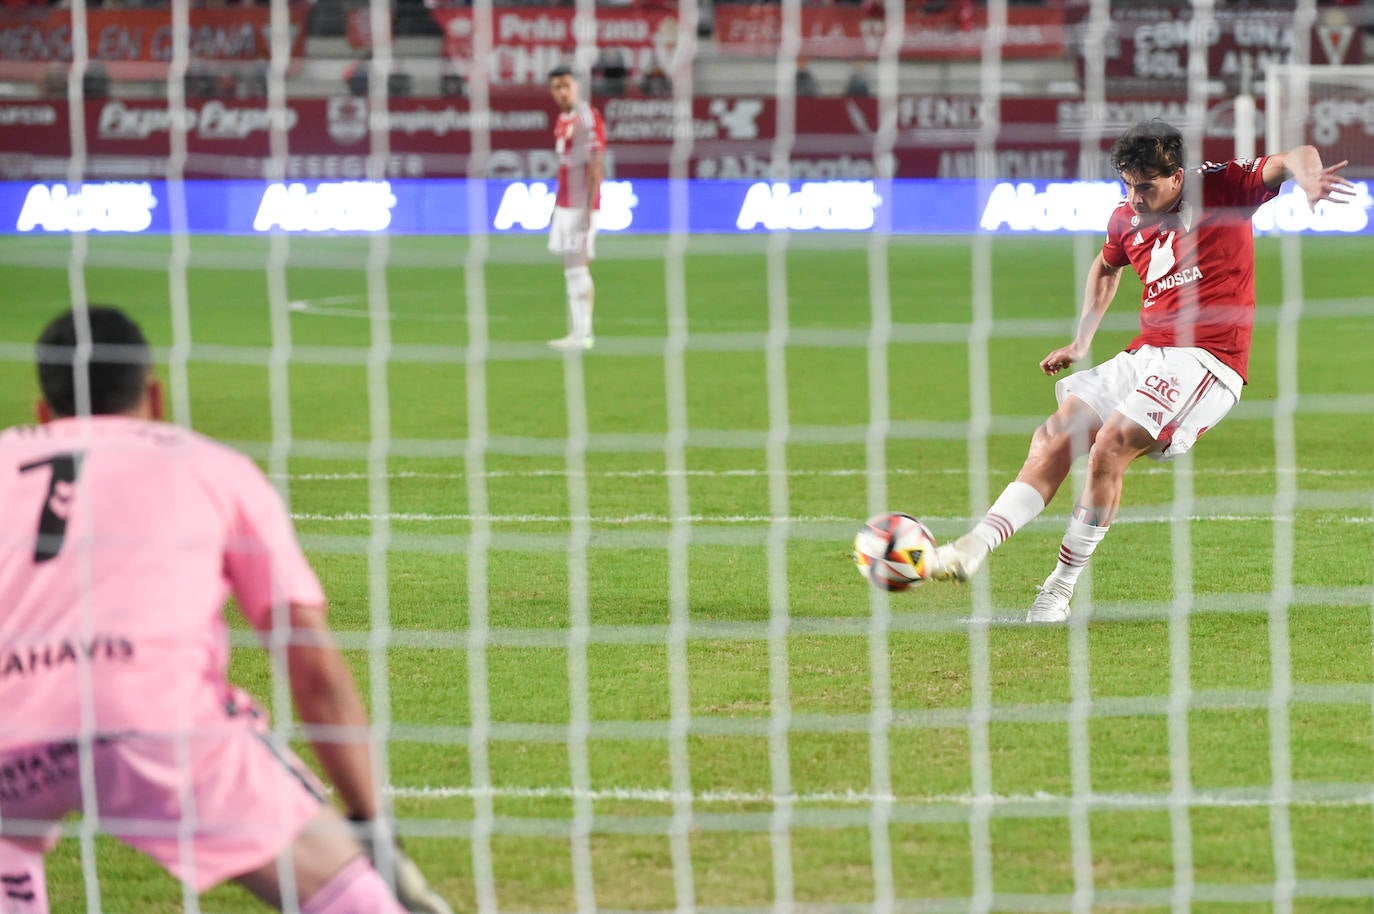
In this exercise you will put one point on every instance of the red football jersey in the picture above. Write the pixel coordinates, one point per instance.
(577, 136)
(1198, 269)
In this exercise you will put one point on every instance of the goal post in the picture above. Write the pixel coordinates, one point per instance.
(1331, 107)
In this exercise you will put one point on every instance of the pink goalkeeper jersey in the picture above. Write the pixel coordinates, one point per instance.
(121, 540)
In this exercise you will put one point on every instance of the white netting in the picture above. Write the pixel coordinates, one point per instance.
(582, 813)
(1327, 106)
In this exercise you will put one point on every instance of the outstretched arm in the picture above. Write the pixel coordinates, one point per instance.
(325, 696)
(264, 564)
(324, 693)
(1304, 165)
(1100, 289)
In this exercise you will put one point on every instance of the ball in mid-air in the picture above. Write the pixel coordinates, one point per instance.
(894, 551)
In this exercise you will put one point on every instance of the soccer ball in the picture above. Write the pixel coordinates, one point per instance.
(892, 550)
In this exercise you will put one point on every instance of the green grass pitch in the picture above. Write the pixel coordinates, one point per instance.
(380, 418)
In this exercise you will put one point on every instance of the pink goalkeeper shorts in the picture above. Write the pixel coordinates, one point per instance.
(207, 806)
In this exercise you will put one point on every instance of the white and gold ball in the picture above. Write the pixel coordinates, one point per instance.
(893, 550)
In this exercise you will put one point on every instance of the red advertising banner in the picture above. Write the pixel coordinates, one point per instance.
(733, 137)
(527, 43)
(1153, 43)
(40, 34)
(857, 32)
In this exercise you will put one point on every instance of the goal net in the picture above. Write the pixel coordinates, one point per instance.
(1327, 106)
(602, 605)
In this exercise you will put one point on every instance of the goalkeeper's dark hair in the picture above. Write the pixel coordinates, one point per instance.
(1148, 149)
(116, 366)
(561, 70)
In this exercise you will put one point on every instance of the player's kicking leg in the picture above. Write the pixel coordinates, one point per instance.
(1064, 436)
(1139, 424)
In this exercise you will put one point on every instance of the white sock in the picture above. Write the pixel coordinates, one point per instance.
(1080, 539)
(1018, 505)
(580, 289)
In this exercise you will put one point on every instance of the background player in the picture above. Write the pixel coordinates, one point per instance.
(580, 139)
(1182, 373)
(123, 537)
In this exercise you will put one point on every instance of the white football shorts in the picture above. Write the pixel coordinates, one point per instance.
(1167, 392)
(567, 232)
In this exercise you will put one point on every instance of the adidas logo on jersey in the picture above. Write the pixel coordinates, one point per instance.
(1139, 239)
(1156, 417)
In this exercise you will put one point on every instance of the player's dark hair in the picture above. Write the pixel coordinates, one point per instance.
(560, 70)
(116, 365)
(1150, 148)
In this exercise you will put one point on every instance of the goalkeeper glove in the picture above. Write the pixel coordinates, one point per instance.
(412, 888)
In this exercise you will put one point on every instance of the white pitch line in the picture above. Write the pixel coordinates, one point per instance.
(563, 518)
(352, 516)
(740, 473)
(608, 474)
(319, 306)
(323, 307)
(305, 304)
(858, 797)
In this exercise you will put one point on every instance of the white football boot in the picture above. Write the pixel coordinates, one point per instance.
(573, 342)
(1051, 604)
(959, 560)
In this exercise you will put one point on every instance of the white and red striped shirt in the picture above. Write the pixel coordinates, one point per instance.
(578, 136)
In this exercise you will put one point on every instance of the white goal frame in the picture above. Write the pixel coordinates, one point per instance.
(1284, 82)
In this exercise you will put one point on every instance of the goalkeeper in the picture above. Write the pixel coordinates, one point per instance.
(123, 536)
(1184, 371)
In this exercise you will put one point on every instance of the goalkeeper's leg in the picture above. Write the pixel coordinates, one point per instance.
(329, 873)
(355, 889)
(334, 873)
(412, 888)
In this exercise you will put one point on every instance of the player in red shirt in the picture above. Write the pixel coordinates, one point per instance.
(124, 535)
(580, 138)
(1195, 255)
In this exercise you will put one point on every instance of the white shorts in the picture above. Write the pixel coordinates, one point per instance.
(1167, 392)
(567, 235)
